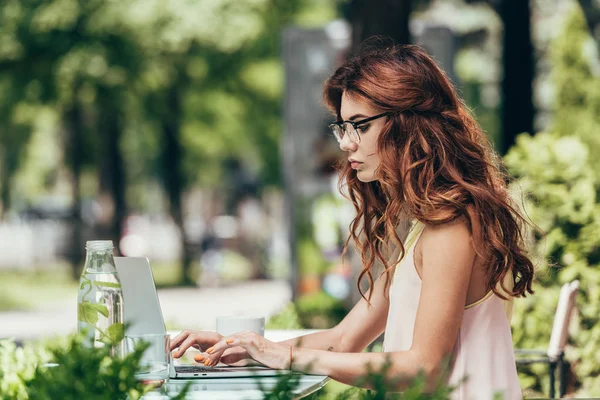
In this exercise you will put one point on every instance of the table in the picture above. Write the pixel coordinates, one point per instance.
(237, 388)
(241, 388)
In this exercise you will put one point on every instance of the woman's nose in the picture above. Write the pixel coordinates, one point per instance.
(347, 144)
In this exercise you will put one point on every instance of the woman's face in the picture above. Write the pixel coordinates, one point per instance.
(363, 156)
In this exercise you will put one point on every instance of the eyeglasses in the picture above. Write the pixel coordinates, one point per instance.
(352, 128)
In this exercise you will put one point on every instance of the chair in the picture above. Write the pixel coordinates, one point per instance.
(554, 355)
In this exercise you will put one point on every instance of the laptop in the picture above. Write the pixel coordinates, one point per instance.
(143, 316)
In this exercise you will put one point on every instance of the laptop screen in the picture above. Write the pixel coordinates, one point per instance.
(140, 299)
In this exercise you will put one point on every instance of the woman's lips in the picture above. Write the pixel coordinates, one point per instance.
(355, 164)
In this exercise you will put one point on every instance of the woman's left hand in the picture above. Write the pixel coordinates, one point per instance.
(269, 354)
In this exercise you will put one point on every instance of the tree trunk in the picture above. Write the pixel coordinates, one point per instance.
(5, 178)
(517, 91)
(74, 132)
(14, 144)
(112, 170)
(173, 173)
(115, 158)
(379, 17)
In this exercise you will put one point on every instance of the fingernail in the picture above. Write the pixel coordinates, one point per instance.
(210, 350)
(206, 362)
(199, 357)
(229, 341)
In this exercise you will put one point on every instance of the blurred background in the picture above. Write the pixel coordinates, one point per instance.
(192, 132)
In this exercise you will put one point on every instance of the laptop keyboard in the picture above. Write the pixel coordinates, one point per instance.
(193, 368)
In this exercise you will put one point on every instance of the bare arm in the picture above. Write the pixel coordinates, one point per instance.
(361, 326)
(358, 329)
(448, 257)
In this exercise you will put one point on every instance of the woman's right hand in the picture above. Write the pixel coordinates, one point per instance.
(203, 340)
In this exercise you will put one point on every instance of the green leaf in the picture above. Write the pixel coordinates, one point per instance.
(107, 284)
(100, 308)
(86, 313)
(116, 332)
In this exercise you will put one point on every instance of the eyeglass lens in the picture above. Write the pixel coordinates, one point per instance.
(340, 131)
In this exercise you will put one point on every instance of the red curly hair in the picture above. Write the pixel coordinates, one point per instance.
(436, 165)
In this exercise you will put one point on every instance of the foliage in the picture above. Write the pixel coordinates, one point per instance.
(320, 310)
(68, 368)
(16, 365)
(84, 372)
(312, 311)
(142, 92)
(126, 59)
(310, 258)
(556, 175)
(560, 177)
(286, 319)
(576, 74)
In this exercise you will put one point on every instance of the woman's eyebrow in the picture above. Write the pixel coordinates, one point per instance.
(356, 116)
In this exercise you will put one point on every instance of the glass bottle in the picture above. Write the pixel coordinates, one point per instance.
(100, 299)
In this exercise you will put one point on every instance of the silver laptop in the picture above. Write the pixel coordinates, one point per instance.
(143, 315)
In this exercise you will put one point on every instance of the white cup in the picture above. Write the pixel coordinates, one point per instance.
(230, 325)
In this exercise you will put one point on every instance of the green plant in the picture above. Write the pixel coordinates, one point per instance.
(18, 364)
(575, 66)
(320, 310)
(561, 189)
(310, 258)
(286, 319)
(85, 372)
(562, 183)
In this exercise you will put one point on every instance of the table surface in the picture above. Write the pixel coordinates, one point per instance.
(241, 388)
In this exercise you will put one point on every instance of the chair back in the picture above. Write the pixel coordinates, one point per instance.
(560, 329)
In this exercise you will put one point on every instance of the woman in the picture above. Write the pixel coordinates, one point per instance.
(444, 299)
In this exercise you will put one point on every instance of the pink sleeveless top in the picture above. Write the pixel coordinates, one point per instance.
(483, 352)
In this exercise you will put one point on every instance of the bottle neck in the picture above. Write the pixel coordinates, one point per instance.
(100, 261)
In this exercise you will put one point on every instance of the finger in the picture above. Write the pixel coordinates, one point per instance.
(187, 343)
(179, 338)
(214, 353)
(233, 355)
(222, 345)
(200, 357)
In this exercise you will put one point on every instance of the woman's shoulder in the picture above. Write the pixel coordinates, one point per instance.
(444, 248)
(460, 233)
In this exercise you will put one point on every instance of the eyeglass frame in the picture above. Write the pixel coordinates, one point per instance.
(356, 125)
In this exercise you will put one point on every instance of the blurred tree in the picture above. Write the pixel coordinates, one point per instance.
(561, 177)
(378, 17)
(391, 18)
(213, 93)
(575, 74)
(191, 94)
(14, 133)
(78, 57)
(591, 11)
(518, 69)
(18, 91)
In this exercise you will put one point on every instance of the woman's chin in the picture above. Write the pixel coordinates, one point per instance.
(365, 176)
